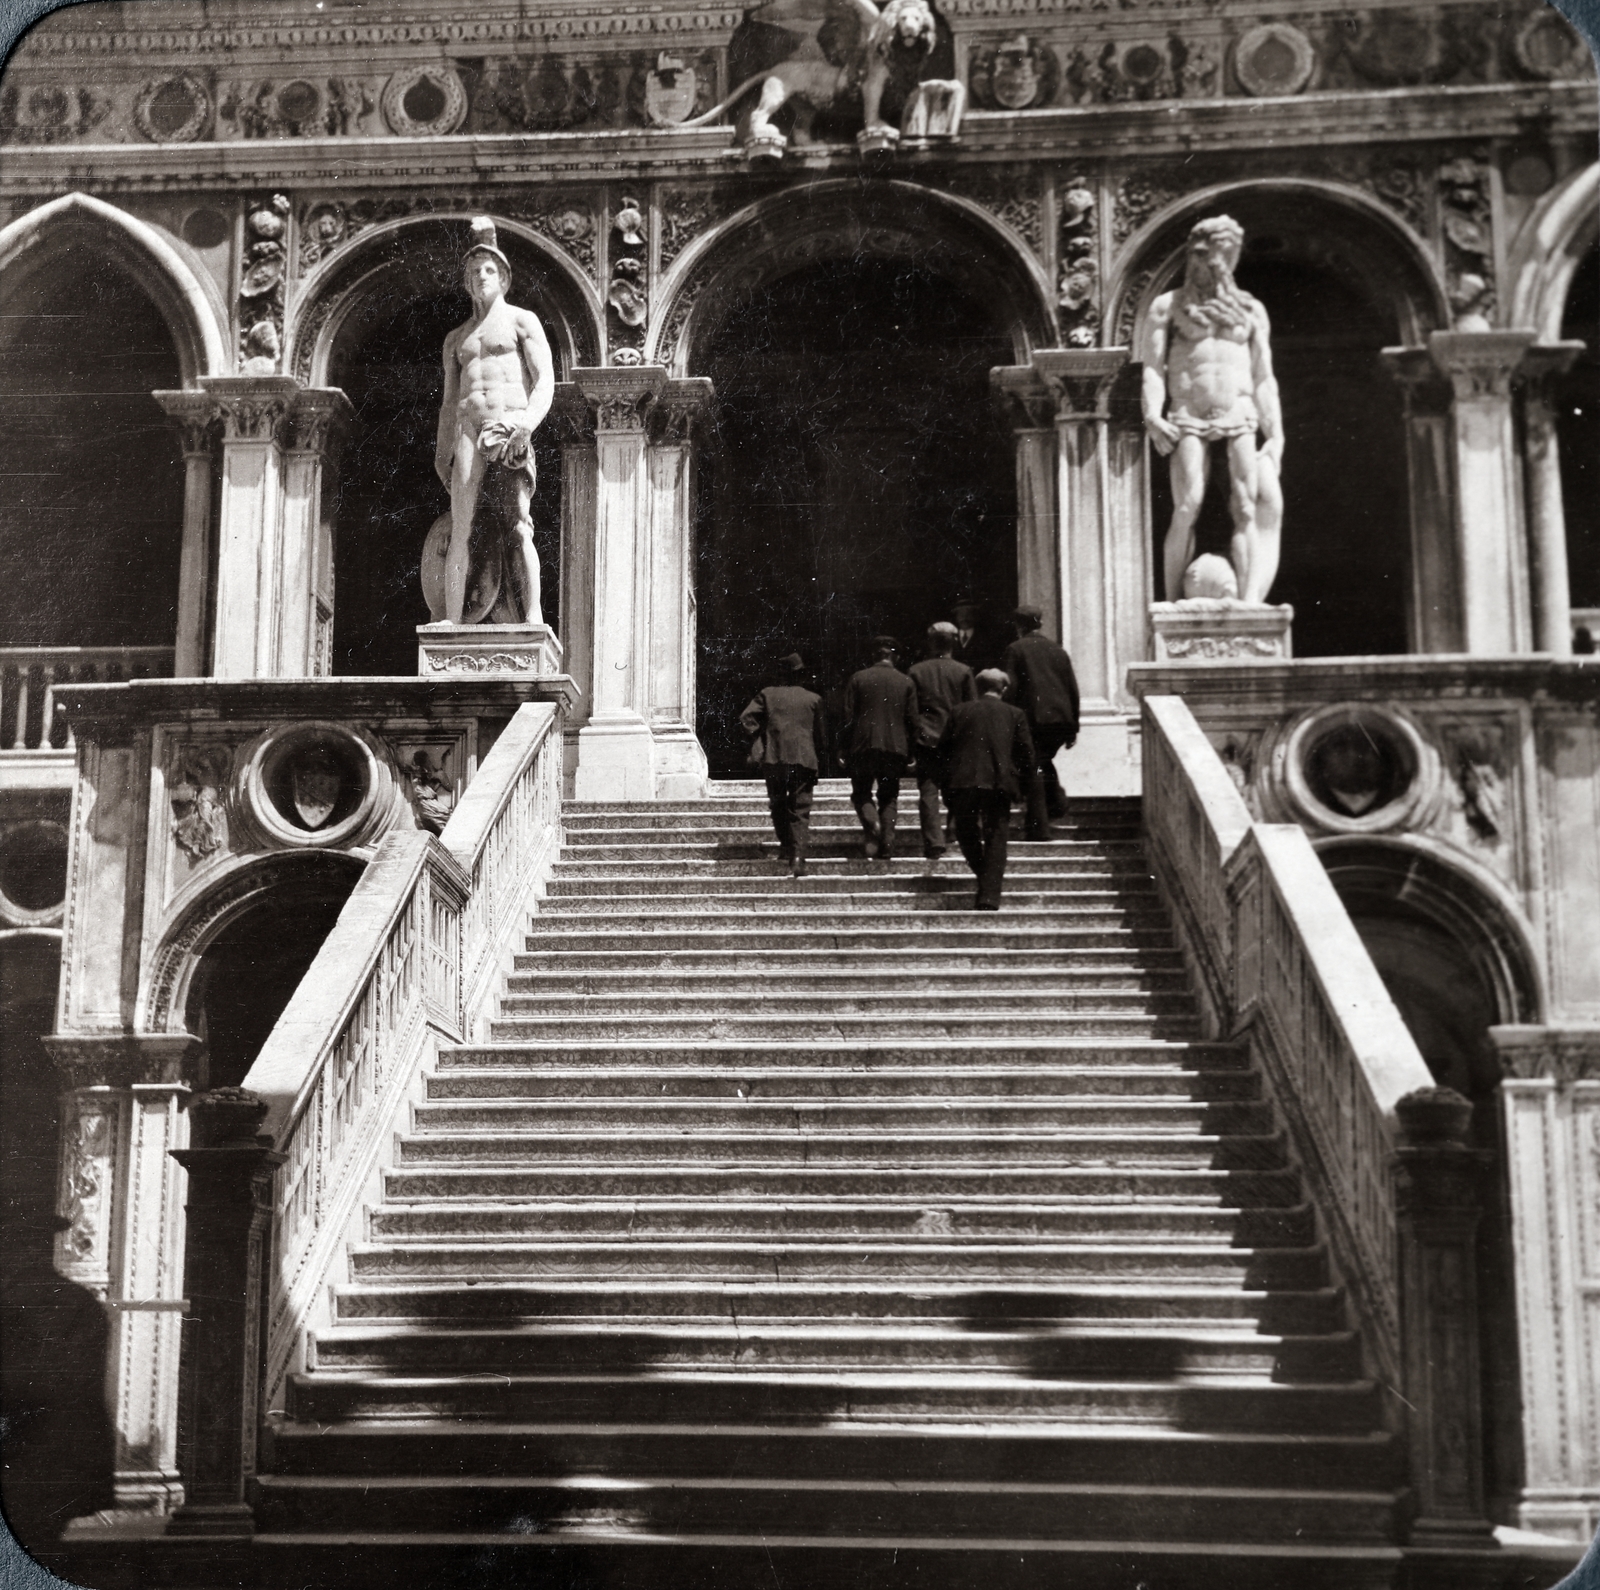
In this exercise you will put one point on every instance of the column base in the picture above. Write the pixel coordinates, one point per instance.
(1214, 629)
(146, 1494)
(1566, 1514)
(497, 651)
(680, 763)
(225, 1520)
(1106, 759)
(616, 761)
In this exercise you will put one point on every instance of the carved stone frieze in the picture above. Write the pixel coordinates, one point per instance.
(175, 109)
(1011, 194)
(428, 784)
(1143, 67)
(550, 92)
(1386, 48)
(1013, 72)
(1078, 250)
(424, 101)
(1567, 1055)
(84, 1172)
(628, 291)
(1466, 224)
(1273, 58)
(261, 285)
(49, 113)
(301, 107)
(197, 783)
(1141, 194)
(687, 213)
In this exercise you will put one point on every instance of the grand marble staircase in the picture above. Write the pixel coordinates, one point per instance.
(823, 1231)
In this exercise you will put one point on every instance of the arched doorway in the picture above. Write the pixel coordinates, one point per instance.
(381, 316)
(91, 505)
(1339, 286)
(248, 971)
(1578, 432)
(857, 478)
(1455, 965)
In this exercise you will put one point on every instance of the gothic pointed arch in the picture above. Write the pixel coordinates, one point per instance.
(1547, 251)
(835, 220)
(417, 257)
(193, 314)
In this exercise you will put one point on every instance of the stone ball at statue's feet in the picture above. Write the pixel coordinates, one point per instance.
(1210, 577)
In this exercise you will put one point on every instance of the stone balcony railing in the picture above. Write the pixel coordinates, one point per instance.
(29, 675)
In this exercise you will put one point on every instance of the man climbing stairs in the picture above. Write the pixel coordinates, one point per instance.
(824, 1232)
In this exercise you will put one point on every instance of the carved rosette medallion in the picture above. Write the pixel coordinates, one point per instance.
(1273, 59)
(173, 110)
(424, 102)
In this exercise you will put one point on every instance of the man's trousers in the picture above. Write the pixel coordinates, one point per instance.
(876, 773)
(789, 790)
(1046, 798)
(929, 802)
(983, 817)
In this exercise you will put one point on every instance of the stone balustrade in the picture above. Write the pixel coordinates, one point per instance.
(29, 676)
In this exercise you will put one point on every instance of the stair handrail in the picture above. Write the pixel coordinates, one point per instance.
(1280, 963)
(407, 965)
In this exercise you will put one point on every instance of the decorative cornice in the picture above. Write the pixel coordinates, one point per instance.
(122, 1059)
(1563, 1054)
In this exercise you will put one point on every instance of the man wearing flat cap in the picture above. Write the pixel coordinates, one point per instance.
(989, 756)
(788, 748)
(942, 684)
(1044, 686)
(880, 708)
(499, 380)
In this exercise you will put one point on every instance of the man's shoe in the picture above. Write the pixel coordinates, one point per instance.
(785, 855)
(871, 847)
(987, 905)
(798, 870)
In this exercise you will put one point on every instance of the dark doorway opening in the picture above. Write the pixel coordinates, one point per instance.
(91, 498)
(1578, 431)
(858, 482)
(53, 1332)
(1346, 556)
(248, 973)
(389, 364)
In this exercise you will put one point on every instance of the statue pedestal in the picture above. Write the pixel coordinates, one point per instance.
(1206, 629)
(495, 651)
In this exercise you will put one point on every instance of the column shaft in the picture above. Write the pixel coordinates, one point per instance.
(193, 413)
(303, 645)
(1547, 518)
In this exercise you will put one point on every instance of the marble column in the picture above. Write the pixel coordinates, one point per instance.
(1032, 413)
(616, 750)
(247, 608)
(573, 425)
(1550, 1107)
(194, 414)
(121, 1198)
(1491, 548)
(318, 420)
(1434, 621)
(680, 762)
(1547, 519)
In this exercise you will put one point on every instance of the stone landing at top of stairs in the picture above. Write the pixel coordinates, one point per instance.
(824, 1231)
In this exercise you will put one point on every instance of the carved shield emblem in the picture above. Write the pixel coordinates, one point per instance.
(317, 780)
(1016, 74)
(669, 91)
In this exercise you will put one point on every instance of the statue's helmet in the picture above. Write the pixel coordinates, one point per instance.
(484, 241)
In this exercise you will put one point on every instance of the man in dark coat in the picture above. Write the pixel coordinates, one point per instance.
(1045, 687)
(989, 760)
(942, 684)
(880, 708)
(790, 748)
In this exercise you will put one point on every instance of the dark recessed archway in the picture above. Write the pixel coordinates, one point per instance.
(857, 480)
(1578, 428)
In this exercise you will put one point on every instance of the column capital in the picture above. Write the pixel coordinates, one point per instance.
(194, 414)
(1423, 387)
(122, 1059)
(1562, 1054)
(253, 407)
(676, 410)
(619, 395)
(569, 417)
(1080, 379)
(1479, 364)
(319, 419)
(1541, 364)
(1023, 397)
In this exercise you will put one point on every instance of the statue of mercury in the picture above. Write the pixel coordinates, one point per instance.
(498, 384)
(1208, 364)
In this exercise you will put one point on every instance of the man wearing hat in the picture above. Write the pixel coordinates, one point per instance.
(789, 748)
(942, 683)
(1045, 687)
(880, 708)
(989, 756)
(499, 380)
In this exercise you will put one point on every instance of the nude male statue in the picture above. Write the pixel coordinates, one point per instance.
(499, 380)
(1207, 355)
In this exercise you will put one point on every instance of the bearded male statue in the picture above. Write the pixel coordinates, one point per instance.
(1208, 365)
(499, 380)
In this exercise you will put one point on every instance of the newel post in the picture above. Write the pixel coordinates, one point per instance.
(226, 1273)
(1438, 1199)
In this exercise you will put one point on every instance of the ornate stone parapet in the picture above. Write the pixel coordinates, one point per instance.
(1201, 629)
(1551, 1111)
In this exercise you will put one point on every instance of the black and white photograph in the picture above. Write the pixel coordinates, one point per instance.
(799, 795)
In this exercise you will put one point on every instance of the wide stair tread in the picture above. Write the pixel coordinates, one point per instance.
(832, 1215)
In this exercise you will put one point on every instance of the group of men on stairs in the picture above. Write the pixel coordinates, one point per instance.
(969, 746)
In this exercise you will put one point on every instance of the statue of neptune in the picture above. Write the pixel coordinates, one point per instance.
(1207, 362)
(498, 383)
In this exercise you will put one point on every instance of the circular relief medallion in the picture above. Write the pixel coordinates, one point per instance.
(313, 784)
(1547, 46)
(1356, 769)
(1274, 59)
(425, 102)
(172, 110)
(33, 873)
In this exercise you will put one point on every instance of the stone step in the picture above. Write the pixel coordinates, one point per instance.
(603, 916)
(853, 870)
(909, 1025)
(747, 1304)
(824, 1006)
(686, 817)
(967, 983)
(720, 1506)
(1129, 1350)
(772, 1083)
(910, 939)
(1272, 1186)
(658, 1116)
(839, 844)
(795, 1259)
(988, 1220)
(1347, 1407)
(803, 957)
(1091, 887)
